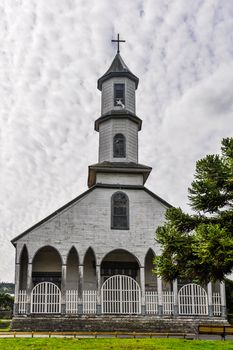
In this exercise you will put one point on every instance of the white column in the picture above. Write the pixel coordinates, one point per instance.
(142, 282)
(63, 288)
(80, 289)
(17, 277)
(210, 298)
(98, 285)
(160, 301)
(29, 287)
(175, 293)
(223, 299)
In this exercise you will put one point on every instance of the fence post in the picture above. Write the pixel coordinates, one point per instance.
(210, 298)
(98, 283)
(16, 302)
(223, 299)
(160, 300)
(80, 289)
(142, 281)
(175, 293)
(63, 289)
(29, 288)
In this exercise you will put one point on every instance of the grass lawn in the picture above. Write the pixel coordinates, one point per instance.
(116, 344)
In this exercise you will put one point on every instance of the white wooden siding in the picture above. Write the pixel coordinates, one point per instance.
(111, 127)
(108, 94)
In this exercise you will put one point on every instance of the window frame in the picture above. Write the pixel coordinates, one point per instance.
(121, 137)
(117, 98)
(113, 227)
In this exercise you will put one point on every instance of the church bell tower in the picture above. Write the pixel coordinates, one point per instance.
(118, 128)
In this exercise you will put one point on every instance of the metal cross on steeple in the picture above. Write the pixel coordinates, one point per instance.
(118, 41)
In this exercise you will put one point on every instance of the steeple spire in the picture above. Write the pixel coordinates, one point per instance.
(118, 41)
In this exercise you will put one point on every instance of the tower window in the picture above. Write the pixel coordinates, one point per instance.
(119, 95)
(119, 146)
(120, 211)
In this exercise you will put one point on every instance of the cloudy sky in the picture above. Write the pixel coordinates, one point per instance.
(52, 53)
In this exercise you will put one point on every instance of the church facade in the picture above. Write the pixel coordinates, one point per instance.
(94, 256)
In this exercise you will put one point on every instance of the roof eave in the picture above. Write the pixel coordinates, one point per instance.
(117, 74)
(117, 115)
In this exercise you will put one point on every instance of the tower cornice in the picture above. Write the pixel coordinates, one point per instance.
(118, 114)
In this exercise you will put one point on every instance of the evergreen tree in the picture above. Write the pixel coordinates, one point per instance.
(200, 246)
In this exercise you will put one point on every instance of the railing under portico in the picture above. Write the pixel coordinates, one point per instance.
(191, 300)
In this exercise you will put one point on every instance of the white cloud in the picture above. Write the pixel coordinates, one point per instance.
(52, 53)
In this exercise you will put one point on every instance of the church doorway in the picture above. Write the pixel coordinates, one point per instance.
(120, 277)
(46, 299)
(121, 295)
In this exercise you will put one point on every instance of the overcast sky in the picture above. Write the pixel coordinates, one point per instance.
(52, 53)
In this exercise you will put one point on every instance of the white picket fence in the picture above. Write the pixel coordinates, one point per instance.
(216, 300)
(71, 301)
(168, 302)
(152, 302)
(89, 301)
(22, 301)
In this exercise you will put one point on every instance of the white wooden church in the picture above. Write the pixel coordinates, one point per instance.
(94, 256)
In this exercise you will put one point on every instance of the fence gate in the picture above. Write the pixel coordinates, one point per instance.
(121, 295)
(192, 300)
(46, 299)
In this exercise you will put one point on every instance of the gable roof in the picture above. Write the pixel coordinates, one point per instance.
(47, 218)
(98, 185)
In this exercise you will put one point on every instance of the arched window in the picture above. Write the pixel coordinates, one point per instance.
(120, 211)
(119, 146)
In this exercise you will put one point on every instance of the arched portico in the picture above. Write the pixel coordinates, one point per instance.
(72, 270)
(88, 287)
(23, 269)
(47, 266)
(120, 262)
(89, 264)
(150, 278)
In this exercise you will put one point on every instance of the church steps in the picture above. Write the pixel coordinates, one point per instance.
(113, 323)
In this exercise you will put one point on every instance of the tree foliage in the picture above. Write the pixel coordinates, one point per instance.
(199, 246)
(6, 301)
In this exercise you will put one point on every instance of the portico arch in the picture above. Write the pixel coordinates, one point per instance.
(150, 278)
(72, 276)
(23, 269)
(120, 262)
(89, 279)
(46, 266)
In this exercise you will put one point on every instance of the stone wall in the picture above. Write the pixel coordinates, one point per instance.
(112, 323)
